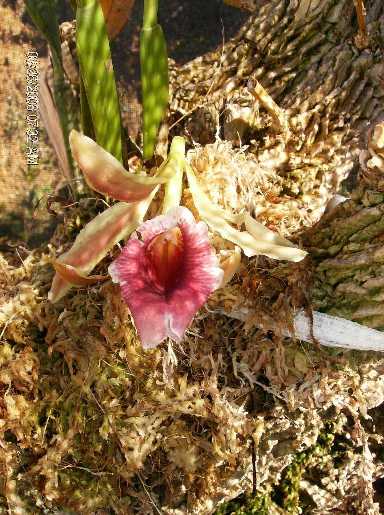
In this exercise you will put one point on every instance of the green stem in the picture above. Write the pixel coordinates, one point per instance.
(174, 187)
(85, 113)
(96, 68)
(150, 13)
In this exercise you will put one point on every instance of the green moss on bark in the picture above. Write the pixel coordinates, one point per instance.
(347, 248)
(247, 505)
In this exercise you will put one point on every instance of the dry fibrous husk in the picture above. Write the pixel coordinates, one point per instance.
(342, 278)
(372, 159)
(237, 181)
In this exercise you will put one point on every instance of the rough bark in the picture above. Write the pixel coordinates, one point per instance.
(347, 247)
(308, 57)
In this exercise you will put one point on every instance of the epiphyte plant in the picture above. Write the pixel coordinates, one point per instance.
(169, 260)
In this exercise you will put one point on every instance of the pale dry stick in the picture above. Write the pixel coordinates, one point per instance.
(98, 474)
(21, 259)
(333, 331)
(278, 115)
(45, 426)
(327, 330)
(7, 324)
(270, 391)
(148, 494)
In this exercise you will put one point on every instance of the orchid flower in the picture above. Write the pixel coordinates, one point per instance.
(168, 267)
(166, 272)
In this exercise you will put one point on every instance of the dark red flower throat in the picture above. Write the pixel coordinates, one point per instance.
(165, 254)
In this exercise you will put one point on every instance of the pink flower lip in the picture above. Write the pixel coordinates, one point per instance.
(166, 272)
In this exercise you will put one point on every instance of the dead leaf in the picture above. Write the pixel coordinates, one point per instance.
(116, 13)
(51, 121)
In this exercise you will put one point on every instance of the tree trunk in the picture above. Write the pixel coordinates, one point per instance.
(308, 57)
(347, 247)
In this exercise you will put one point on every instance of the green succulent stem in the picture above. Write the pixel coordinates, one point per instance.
(150, 13)
(154, 76)
(100, 101)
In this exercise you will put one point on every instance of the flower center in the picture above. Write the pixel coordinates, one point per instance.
(165, 253)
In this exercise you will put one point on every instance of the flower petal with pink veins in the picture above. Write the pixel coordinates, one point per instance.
(94, 242)
(106, 175)
(165, 309)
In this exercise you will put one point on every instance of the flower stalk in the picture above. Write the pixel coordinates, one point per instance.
(174, 187)
(154, 76)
